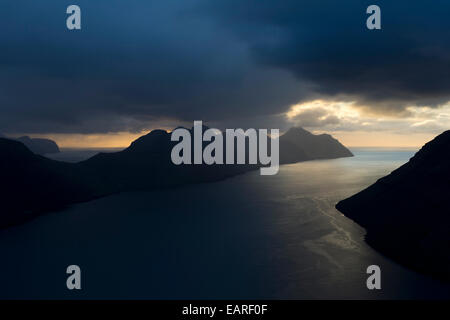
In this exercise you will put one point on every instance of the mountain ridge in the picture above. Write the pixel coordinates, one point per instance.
(406, 213)
(33, 184)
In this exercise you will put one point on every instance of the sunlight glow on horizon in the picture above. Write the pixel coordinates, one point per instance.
(353, 126)
(349, 139)
(344, 120)
(106, 140)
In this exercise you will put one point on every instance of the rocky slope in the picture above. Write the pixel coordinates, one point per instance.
(33, 184)
(407, 213)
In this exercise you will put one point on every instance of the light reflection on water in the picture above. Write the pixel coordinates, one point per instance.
(250, 236)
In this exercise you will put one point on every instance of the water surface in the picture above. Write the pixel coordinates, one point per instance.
(250, 236)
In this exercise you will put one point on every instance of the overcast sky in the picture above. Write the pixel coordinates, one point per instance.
(137, 64)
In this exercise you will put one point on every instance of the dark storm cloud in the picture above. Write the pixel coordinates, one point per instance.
(133, 61)
(226, 62)
(326, 42)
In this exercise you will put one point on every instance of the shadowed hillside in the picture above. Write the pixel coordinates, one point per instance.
(298, 144)
(32, 184)
(407, 213)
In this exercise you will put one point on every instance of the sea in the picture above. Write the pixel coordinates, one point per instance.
(246, 237)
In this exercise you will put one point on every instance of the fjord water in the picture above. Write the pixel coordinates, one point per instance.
(249, 236)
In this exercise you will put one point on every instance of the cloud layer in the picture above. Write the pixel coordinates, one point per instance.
(138, 63)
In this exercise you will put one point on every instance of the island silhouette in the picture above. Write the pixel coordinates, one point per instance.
(407, 213)
(33, 184)
(37, 145)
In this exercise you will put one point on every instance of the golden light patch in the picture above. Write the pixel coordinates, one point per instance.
(337, 108)
(107, 140)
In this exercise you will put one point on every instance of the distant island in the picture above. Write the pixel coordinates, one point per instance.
(33, 184)
(407, 213)
(298, 144)
(37, 145)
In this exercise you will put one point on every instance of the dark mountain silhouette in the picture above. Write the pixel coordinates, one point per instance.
(147, 164)
(297, 144)
(407, 213)
(39, 146)
(33, 184)
(153, 150)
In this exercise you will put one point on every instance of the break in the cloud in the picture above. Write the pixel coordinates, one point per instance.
(138, 64)
(335, 116)
(406, 63)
